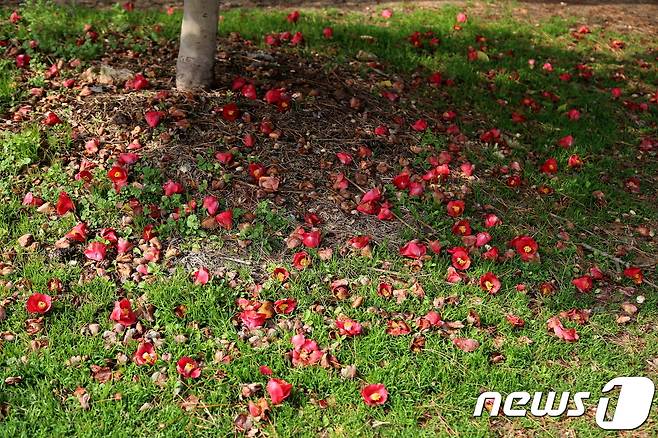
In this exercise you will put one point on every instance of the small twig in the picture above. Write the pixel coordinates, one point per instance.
(232, 259)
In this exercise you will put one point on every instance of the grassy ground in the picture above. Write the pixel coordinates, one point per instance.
(592, 217)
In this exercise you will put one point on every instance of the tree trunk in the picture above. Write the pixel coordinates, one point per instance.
(198, 42)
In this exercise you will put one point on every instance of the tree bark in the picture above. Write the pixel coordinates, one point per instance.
(198, 42)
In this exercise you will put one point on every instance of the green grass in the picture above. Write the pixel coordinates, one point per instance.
(432, 392)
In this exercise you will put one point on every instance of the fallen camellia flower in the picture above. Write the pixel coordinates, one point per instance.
(171, 188)
(145, 354)
(455, 208)
(285, 306)
(348, 327)
(279, 390)
(78, 233)
(96, 251)
(634, 274)
(460, 258)
(514, 320)
(305, 352)
(526, 247)
(252, 318)
(301, 260)
(490, 283)
(467, 345)
(281, 274)
(64, 204)
(38, 303)
(123, 313)
(51, 119)
(201, 276)
(568, 335)
(583, 284)
(188, 368)
(225, 219)
(413, 250)
(374, 394)
(397, 328)
(153, 118)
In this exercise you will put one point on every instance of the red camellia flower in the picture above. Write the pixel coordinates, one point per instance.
(634, 274)
(301, 260)
(583, 284)
(492, 254)
(514, 320)
(51, 119)
(344, 157)
(171, 188)
(293, 17)
(462, 228)
(573, 114)
(401, 181)
(482, 238)
(490, 283)
(225, 219)
(139, 82)
(297, 39)
(435, 246)
(514, 181)
(230, 112)
(279, 390)
(374, 394)
(38, 303)
(22, 60)
(123, 313)
(285, 306)
(211, 204)
(305, 352)
(201, 276)
(381, 130)
(249, 91)
(384, 289)
(526, 247)
(491, 220)
(568, 335)
(78, 233)
(252, 319)
(311, 239)
(369, 203)
(455, 208)
(574, 161)
(224, 157)
(566, 141)
(118, 176)
(188, 367)
(419, 125)
(460, 258)
(348, 327)
(413, 250)
(359, 242)
(416, 188)
(96, 251)
(549, 167)
(153, 118)
(14, 17)
(145, 354)
(281, 274)
(397, 328)
(64, 204)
